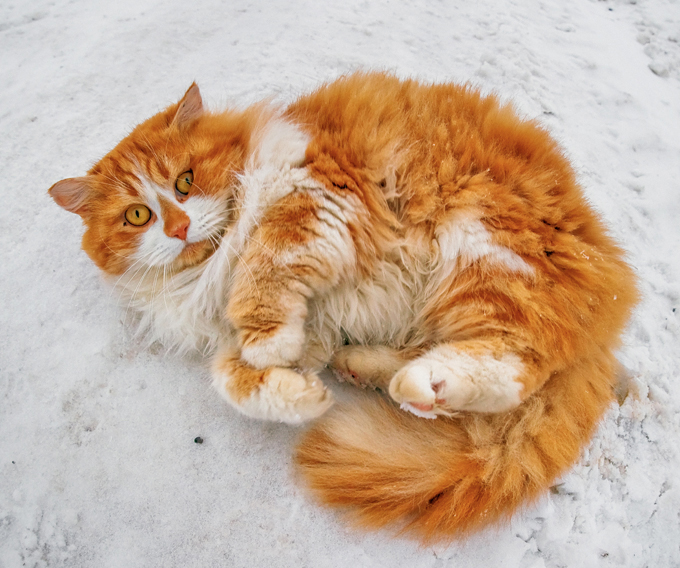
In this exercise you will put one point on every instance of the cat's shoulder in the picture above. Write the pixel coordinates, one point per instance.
(278, 143)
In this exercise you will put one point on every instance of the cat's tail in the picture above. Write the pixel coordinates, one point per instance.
(441, 479)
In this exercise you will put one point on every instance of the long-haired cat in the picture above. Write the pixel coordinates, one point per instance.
(421, 239)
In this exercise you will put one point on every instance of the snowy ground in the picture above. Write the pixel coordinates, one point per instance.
(98, 465)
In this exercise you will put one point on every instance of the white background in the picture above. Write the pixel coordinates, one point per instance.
(98, 467)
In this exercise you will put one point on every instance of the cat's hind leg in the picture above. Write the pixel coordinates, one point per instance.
(370, 366)
(274, 393)
(453, 377)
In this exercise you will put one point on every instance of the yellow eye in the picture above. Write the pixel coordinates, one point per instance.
(183, 183)
(138, 215)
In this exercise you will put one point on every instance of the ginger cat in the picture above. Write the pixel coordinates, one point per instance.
(421, 239)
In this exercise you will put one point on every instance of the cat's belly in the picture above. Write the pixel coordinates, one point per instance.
(382, 310)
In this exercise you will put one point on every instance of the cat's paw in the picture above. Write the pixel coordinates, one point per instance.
(277, 393)
(415, 389)
(366, 365)
(445, 380)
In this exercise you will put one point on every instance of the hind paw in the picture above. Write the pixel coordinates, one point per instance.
(367, 366)
(446, 380)
(415, 388)
(347, 366)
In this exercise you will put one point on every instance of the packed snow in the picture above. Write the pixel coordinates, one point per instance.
(99, 462)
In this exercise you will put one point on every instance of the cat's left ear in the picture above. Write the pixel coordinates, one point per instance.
(189, 108)
(72, 194)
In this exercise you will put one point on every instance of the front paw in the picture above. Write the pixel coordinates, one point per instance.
(275, 393)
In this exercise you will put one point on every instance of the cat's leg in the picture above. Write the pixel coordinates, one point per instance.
(462, 376)
(301, 248)
(370, 366)
(495, 349)
(274, 393)
(503, 328)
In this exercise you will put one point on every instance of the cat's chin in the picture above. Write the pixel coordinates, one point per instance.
(193, 254)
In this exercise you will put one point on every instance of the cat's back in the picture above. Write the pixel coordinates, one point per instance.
(433, 148)
(365, 112)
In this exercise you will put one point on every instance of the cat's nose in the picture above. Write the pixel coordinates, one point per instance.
(177, 226)
(180, 231)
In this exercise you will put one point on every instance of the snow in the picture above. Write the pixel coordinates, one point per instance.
(98, 464)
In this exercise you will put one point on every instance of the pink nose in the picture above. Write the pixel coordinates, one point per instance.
(178, 228)
(175, 220)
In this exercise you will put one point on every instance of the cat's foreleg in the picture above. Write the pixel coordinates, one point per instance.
(301, 248)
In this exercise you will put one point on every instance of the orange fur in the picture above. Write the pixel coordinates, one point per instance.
(444, 479)
(502, 296)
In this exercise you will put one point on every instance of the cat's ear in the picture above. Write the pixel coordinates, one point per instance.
(72, 194)
(189, 108)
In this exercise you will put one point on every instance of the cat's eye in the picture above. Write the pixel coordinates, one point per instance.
(183, 183)
(138, 215)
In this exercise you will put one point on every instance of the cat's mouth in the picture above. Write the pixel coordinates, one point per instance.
(195, 253)
(193, 248)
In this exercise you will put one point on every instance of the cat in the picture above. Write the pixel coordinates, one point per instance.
(421, 239)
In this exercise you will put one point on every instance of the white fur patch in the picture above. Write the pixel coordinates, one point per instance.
(155, 247)
(465, 382)
(281, 349)
(281, 144)
(408, 407)
(382, 309)
(466, 239)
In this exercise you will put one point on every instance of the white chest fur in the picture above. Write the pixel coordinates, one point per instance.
(381, 310)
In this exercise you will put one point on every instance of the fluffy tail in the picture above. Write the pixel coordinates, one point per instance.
(441, 479)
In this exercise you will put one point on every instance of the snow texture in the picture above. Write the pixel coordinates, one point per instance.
(98, 464)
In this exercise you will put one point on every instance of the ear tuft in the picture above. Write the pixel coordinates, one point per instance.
(189, 108)
(72, 194)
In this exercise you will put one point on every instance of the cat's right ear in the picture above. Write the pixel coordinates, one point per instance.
(189, 108)
(72, 194)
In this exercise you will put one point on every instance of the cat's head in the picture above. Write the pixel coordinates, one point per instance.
(164, 195)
